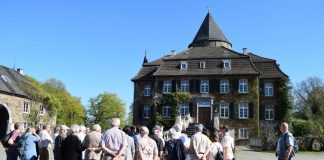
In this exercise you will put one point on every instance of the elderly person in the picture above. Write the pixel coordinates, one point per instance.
(174, 148)
(199, 144)
(81, 135)
(285, 145)
(30, 137)
(228, 143)
(59, 141)
(130, 150)
(156, 137)
(114, 142)
(71, 147)
(92, 144)
(45, 143)
(216, 149)
(146, 147)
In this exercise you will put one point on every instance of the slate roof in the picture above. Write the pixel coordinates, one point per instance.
(213, 56)
(209, 31)
(10, 82)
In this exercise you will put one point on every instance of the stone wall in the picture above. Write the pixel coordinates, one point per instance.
(15, 106)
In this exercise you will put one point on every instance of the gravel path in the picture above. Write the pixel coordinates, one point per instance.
(243, 153)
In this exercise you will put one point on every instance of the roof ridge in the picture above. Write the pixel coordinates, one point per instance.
(268, 59)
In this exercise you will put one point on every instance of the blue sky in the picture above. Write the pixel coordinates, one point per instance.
(97, 46)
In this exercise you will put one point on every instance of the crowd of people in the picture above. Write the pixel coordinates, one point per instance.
(78, 142)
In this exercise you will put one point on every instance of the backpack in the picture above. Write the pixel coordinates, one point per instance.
(5, 139)
(295, 146)
(219, 155)
(22, 144)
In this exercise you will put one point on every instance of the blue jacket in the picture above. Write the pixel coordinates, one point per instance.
(30, 146)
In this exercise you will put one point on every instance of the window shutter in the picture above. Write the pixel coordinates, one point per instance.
(262, 112)
(251, 110)
(236, 111)
(192, 86)
(191, 109)
(262, 89)
(197, 88)
(278, 115)
(160, 83)
(214, 86)
(179, 85)
(174, 85)
(235, 84)
(231, 110)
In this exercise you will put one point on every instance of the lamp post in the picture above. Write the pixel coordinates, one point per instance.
(216, 118)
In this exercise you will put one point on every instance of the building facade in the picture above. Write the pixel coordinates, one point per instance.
(236, 89)
(15, 104)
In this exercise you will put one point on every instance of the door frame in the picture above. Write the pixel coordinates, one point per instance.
(208, 105)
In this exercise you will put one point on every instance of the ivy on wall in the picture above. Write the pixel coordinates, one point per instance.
(173, 100)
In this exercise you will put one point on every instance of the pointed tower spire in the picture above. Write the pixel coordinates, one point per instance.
(145, 59)
(209, 34)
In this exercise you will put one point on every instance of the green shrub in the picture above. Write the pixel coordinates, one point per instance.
(302, 127)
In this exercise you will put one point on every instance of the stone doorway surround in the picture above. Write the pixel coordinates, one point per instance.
(204, 104)
(4, 108)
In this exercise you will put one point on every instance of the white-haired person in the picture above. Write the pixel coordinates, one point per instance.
(146, 147)
(71, 147)
(174, 148)
(81, 135)
(92, 144)
(114, 142)
(199, 144)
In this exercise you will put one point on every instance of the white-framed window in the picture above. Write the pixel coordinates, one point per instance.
(26, 107)
(202, 64)
(227, 64)
(41, 110)
(40, 126)
(224, 86)
(224, 110)
(5, 78)
(243, 110)
(204, 86)
(184, 65)
(147, 90)
(268, 89)
(243, 133)
(167, 86)
(184, 86)
(243, 86)
(24, 126)
(147, 111)
(184, 109)
(269, 113)
(166, 111)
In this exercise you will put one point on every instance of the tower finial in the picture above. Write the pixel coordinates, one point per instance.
(208, 8)
(145, 59)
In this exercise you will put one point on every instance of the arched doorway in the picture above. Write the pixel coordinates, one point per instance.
(4, 120)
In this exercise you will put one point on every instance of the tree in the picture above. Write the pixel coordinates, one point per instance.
(310, 98)
(71, 111)
(104, 107)
(310, 104)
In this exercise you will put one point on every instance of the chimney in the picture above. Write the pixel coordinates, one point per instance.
(20, 71)
(245, 51)
(173, 52)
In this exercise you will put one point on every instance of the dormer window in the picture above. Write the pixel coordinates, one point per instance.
(202, 65)
(227, 64)
(184, 65)
(5, 78)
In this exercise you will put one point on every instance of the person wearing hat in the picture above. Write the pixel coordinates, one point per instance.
(156, 131)
(58, 142)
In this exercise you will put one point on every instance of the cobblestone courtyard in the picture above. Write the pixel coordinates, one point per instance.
(243, 154)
